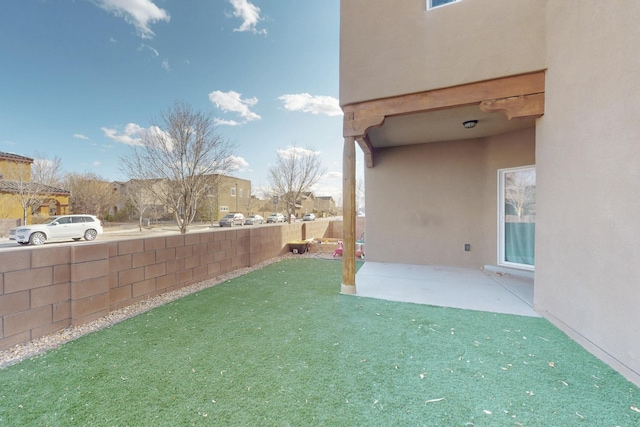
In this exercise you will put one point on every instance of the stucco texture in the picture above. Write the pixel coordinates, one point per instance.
(587, 251)
(417, 50)
(424, 202)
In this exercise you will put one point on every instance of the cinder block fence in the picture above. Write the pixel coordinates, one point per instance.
(45, 289)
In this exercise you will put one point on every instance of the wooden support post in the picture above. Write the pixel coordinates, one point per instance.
(349, 216)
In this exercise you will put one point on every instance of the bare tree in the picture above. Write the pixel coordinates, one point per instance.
(520, 192)
(139, 199)
(184, 152)
(90, 193)
(296, 170)
(251, 202)
(34, 184)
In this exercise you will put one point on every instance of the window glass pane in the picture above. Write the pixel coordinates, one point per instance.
(519, 216)
(436, 3)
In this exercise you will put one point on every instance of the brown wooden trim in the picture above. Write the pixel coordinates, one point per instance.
(349, 216)
(367, 149)
(517, 107)
(361, 116)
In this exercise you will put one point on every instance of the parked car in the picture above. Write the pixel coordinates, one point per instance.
(58, 227)
(254, 219)
(275, 217)
(309, 217)
(229, 220)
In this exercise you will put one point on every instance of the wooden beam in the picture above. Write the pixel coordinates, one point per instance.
(367, 149)
(349, 217)
(517, 107)
(361, 116)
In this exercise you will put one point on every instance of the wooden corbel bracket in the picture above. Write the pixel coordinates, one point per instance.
(356, 123)
(516, 107)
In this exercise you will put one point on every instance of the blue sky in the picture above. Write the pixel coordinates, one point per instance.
(82, 78)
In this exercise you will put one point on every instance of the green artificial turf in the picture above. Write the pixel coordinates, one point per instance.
(281, 347)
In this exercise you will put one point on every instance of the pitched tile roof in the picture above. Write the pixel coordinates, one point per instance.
(7, 186)
(15, 157)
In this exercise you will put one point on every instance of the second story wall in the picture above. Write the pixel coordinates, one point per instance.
(397, 47)
(15, 170)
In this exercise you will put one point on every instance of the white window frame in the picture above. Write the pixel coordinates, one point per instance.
(233, 192)
(501, 219)
(224, 208)
(431, 6)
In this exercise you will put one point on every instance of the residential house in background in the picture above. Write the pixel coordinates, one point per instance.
(233, 195)
(225, 194)
(325, 206)
(307, 204)
(17, 191)
(507, 131)
(131, 197)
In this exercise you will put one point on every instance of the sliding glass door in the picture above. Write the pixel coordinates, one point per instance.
(517, 217)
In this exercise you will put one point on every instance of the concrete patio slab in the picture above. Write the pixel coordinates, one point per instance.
(448, 287)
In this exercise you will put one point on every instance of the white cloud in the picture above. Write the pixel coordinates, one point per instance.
(290, 152)
(96, 163)
(131, 135)
(80, 136)
(232, 102)
(222, 122)
(250, 15)
(324, 188)
(146, 46)
(304, 102)
(165, 64)
(139, 13)
(330, 184)
(332, 175)
(238, 164)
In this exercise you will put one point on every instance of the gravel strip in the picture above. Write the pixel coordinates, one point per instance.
(47, 342)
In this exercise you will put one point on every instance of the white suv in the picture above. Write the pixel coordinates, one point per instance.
(275, 218)
(58, 227)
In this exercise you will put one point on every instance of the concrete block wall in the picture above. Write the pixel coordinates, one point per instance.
(336, 228)
(45, 289)
(35, 293)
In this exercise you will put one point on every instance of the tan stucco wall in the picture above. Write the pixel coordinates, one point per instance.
(587, 149)
(10, 206)
(15, 171)
(426, 201)
(400, 47)
(232, 202)
(588, 189)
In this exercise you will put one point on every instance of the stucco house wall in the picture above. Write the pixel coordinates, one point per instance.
(588, 163)
(447, 192)
(586, 149)
(397, 47)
